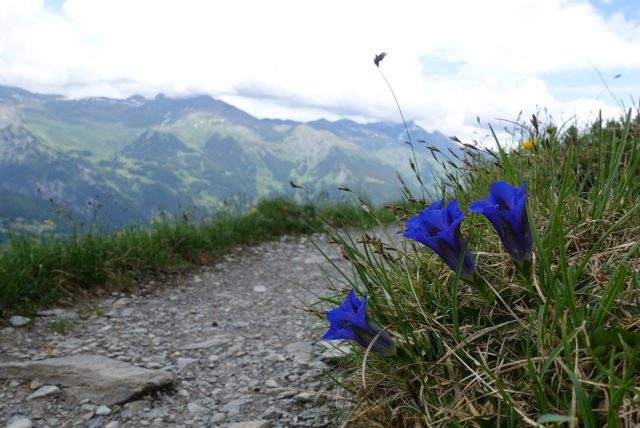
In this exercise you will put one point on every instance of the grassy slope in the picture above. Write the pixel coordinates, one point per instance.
(97, 141)
(102, 140)
(37, 272)
(561, 347)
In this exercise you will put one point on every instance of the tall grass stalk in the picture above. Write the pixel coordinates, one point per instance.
(415, 166)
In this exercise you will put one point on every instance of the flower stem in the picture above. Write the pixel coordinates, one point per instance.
(478, 283)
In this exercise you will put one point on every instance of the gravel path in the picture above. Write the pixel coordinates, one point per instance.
(233, 334)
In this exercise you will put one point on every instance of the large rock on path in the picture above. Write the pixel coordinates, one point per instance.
(100, 379)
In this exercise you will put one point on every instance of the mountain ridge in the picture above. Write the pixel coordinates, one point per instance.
(166, 154)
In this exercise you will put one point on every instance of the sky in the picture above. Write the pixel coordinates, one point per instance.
(455, 66)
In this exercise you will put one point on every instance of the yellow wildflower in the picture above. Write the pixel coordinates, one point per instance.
(529, 144)
(119, 233)
(254, 210)
(153, 221)
(49, 222)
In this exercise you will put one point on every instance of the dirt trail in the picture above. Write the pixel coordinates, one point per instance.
(231, 333)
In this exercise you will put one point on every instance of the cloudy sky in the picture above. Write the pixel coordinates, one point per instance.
(449, 62)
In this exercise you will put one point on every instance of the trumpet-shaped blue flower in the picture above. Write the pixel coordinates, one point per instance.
(439, 229)
(506, 209)
(349, 321)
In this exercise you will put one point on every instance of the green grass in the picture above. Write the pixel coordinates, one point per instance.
(64, 136)
(40, 271)
(558, 348)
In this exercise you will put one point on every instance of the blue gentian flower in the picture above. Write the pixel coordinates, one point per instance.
(349, 321)
(506, 209)
(439, 229)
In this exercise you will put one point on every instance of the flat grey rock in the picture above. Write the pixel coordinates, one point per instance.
(20, 423)
(18, 321)
(99, 379)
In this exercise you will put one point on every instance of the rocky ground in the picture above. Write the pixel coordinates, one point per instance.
(231, 339)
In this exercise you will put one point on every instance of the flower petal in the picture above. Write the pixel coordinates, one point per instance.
(360, 318)
(339, 333)
(488, 209)
(503, 194)
(452, 213)
(437, 205)
(506, 208)
(431, 221)
(439, 229)
(355, 302)
(339, 316)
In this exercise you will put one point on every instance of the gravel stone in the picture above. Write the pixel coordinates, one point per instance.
(44, 391)
(233, 407)
(18, 321)
(218, 418)
(103, 410)
(196, 409)
(61, 314)
(35, 384)
(251, 424)
(272, 383)
(95, 377)
(273, 412)
(20, 423)
(186, 364)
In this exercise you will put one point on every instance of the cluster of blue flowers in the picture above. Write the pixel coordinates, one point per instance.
(505, 207)
(439, 229)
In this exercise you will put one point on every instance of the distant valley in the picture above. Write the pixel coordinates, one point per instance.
(122, 161)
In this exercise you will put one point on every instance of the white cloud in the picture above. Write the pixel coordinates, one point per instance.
(448, 61)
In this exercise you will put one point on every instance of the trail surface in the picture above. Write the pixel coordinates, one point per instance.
(242, 352)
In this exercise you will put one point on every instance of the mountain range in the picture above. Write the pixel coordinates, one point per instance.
(126, 160)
